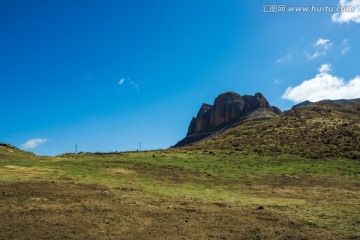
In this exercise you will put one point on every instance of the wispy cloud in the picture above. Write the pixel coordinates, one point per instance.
(324, 86)
(322, 46)
(316, 54)
(352, 12)
(344, 46)
(345, 50)
(285, 58)
(33, 143)
(121, 81)
(126, 81)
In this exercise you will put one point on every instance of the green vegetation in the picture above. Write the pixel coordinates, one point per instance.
(319, 194)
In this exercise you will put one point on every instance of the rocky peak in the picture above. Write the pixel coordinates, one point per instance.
(229, 108)
(260, 101)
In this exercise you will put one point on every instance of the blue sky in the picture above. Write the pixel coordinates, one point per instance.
(106, 75)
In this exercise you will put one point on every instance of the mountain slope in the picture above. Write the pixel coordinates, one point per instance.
(229, 109)
(8, 151)
(318, 130)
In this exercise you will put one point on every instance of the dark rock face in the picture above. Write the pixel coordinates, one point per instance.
(227, 106)
(202, 120)
(228, 109)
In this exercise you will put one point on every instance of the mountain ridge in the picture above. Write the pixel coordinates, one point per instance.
(336, 101)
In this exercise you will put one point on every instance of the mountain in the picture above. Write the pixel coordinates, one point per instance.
(229, 109)
(318, 130)
(305, 103)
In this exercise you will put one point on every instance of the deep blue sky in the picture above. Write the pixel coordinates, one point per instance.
(61, 63)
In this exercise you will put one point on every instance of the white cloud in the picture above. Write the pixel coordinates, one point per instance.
(322, 46)
(33, 143)
(325, 68)
(351, 12)
(122, 81)
(324, 86)
(321, 41)
(285, 58)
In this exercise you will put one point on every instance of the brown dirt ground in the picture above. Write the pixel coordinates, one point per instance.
(47, 210)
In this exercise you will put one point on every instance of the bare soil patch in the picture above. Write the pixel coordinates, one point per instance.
(82, 211)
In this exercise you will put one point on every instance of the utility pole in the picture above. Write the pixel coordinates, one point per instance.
(140, 146)
(76, 149)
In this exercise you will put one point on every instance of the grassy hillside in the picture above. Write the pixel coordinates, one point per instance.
(8, 151)
(318, 130)
(178, 194)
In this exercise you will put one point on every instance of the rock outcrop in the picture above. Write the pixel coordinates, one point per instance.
(229, 108)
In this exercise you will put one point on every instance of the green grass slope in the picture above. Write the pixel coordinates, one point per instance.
(320, 130)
